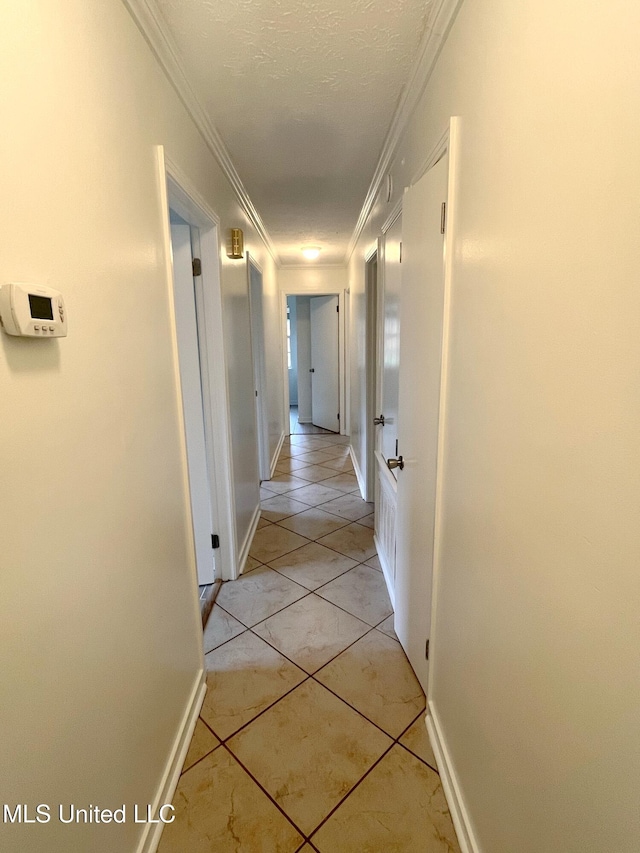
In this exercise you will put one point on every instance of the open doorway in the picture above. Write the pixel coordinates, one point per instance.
(193, 268)
(314, 381)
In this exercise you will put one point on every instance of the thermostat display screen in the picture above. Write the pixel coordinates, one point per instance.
(41, 307)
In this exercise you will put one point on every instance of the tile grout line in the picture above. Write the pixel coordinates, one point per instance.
(396, 742)
(267, 794)
(351, 790)
(319, 543)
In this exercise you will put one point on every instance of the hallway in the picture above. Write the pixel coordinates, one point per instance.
(312, 733)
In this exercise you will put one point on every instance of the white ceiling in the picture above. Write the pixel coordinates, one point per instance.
(302, 93)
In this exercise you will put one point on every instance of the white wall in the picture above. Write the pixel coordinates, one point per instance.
(98, 619)
(293, 372)
(536, 656)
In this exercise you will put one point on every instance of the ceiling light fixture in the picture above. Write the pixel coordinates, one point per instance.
(311, 252)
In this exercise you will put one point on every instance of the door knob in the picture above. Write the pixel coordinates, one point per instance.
(379, 421)
(395, 463)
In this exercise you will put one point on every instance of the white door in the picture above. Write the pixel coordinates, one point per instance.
(325, 386)
(189, 358)
(259, 368)
(390, 341)
(387, 400)
(419, 406)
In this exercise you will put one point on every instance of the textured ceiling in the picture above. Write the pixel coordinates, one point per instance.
(302, 93)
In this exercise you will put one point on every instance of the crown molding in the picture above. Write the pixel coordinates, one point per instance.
(154, 29)
(436, 32)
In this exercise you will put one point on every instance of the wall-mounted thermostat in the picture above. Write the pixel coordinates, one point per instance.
(32, 311)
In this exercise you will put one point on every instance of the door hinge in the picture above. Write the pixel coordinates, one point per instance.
(426, 650)
(196, 266)
(443, 216)
(337, 308)
(401, 251)
(396, 446)
(215, 540)
(338, 416)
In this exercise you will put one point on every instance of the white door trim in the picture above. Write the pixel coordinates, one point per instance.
(177, 192)
(341, 294)
(451, 142)
(371, 369)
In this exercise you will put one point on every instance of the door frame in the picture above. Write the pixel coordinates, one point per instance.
(178, 193)
(372, 379)
(256, 313)
(324, 328)
(341, 294)
(449, 143)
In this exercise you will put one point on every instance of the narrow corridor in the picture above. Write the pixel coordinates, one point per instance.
(312, 733)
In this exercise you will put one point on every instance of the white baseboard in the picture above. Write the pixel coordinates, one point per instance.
(451, 786)
(248, 539)
(386, 571)
(358, 473)
(152, 832)
(274, 458)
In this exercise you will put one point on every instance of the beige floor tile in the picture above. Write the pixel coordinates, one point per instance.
(308, 751)
(387, 627)
(375, 677)
(417, 740)
(374, 562)
(272, 542)
(220, 808)
(265, 493)
(363, 592)
(307, 439)
(221, 626)
(259, 594)
(315, 473)
(315, 493)
(313, 523)
(281, 506)
(202, 742)
(296, 450)
(353, 541)
(290, 465)
(244, 677)
(319, 457)
(311, 632)
(262, 521)
(368, 521)
(342, 463)
(399, 808)
(337, 439)
(343, 482)
(313, 565)
(283, 483)
(348, 506)
(250, 565)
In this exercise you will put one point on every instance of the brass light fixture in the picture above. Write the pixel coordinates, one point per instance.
(235, 248)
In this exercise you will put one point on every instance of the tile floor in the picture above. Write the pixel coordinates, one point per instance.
(312, 733)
